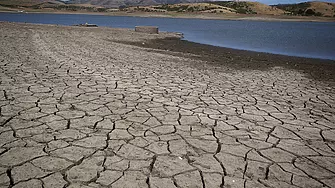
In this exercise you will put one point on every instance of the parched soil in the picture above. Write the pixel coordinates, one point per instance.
(319, 69)
(103, 107)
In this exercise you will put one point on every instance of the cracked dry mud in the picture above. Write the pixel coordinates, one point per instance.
(81, 109)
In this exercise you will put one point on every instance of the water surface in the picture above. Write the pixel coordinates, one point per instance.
(305, 39)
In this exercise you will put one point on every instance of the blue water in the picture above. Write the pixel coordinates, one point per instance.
(305, 39)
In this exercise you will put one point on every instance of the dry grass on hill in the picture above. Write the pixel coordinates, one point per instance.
(214, 7)
(185, 7)
(260, 8)
(310, 9)
(326, 9)
(25, 2)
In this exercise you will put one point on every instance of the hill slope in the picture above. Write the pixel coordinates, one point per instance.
(197, 6)
(245, 7)
(214, 7)
(14, 5)
(184, 7)
(117, 3)
(26, 2)
(309, 8)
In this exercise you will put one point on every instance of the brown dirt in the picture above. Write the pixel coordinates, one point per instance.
(240, 59)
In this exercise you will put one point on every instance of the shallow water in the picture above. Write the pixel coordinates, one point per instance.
(305, 39)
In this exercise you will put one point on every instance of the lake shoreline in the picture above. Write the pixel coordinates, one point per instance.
(240, 17)
(318, 69)
(171, 43)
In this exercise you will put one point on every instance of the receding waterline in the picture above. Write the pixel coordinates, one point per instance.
(302, 39)
(293, 54)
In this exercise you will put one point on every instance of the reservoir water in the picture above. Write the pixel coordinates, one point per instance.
(304, 39)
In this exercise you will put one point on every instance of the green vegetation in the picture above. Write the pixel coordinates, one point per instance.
(79, 8)
(310, 12)
(294, 9)
(240, 7)
(188, 8)
(300, 9)
(182, 8)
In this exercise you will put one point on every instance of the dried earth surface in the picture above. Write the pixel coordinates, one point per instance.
(85, 107)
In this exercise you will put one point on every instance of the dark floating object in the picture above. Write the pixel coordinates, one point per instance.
(86, 25)
(147, 29)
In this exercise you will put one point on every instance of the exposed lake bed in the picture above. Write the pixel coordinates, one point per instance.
(320, 69)
(101, 107)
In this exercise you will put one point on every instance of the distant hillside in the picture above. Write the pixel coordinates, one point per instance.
(309, 9)
(184, 7)
(50, 4)
(118, 3)
(188, 6)
(244, 7)
(26, 2)
(213, 7)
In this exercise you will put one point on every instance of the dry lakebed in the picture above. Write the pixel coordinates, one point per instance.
(107, 107)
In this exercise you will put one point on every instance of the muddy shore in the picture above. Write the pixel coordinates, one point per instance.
(320, 69)
(107, 107)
